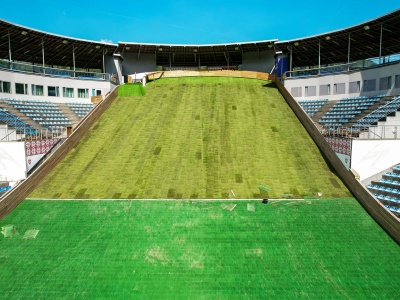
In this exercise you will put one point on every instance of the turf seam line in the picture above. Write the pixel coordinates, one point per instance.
(198, 200)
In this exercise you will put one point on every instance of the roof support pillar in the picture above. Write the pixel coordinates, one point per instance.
(291, 59)
(319, 57)
(43, 56)
(348, 53)
(73, 57)
(104, 60)
(380, 45)
(9, 49)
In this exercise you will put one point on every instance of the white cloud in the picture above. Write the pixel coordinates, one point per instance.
(106, 41)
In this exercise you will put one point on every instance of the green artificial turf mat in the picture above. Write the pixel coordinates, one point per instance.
(329, 249)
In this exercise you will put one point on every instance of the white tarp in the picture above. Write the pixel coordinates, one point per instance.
(370, 157)
(12, 161)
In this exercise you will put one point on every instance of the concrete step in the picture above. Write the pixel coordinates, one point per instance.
(68, 113)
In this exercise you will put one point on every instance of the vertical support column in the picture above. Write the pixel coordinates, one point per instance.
(380, 44)
(199, 62)
(73, 56)
(348, 54)
(319, 57)
(291, 59)
(104, 62)
(43, 56)
(9, 49)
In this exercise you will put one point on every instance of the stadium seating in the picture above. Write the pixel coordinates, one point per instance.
(378, 114)
(14, 122)
(80, 109)
(45, 113)
(312, 106)
(4, 189)
(346, 109)
(387, 190)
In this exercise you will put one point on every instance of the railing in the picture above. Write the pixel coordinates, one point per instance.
(357, 65)
(29, 134)
(380, 132)
(23, 67)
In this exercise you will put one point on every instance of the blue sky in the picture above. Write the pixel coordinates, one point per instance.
(192, 22)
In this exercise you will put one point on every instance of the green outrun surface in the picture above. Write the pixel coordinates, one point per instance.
(191, 249)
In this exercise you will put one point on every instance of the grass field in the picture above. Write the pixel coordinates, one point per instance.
(195, 138)
(182, 249)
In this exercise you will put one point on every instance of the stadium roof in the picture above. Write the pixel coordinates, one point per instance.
(31, 45)
(26, 45)
(365, 41)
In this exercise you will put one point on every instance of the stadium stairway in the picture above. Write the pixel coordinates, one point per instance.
(374, 107)
(21, 115)
(68, 113)
(324, 109)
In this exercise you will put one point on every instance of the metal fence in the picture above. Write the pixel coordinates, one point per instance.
(23, 67)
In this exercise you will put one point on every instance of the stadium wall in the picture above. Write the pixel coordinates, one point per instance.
(389, 222)
(207, 73)
(336, 81)
(134, 63)
(53, 81)
(16, 195)
(262, 61)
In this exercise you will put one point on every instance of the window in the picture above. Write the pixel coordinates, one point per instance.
(339, 88)
(37, 90)
(310, 91)
(53, 91)
(354, 87)
(369, 85)
(83, 93)
(324, 89)
(397, 82)
(296, 91)
(385, 83)
(5, 87)
(21, 88)
(68, 92)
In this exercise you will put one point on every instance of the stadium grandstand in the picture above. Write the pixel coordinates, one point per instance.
(263, 169)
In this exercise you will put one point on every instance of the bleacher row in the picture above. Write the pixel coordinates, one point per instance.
(15, 122)
(378, 114)
(312, 106)
(4, 189)
(80, 109)
(348, 109)
(387, 190)
(44, 113)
